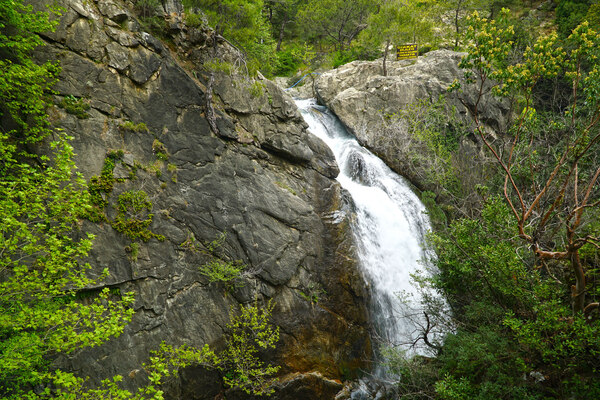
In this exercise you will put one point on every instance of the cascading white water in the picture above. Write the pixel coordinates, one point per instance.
(389, 225)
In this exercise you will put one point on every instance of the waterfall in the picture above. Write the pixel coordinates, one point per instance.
(389, 226)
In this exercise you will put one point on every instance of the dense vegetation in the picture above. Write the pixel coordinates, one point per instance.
(518, 244)
(286, 37)
(519, 268)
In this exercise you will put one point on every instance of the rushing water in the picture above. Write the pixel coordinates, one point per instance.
(389, 226)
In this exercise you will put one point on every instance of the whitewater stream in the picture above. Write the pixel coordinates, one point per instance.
(389, 225)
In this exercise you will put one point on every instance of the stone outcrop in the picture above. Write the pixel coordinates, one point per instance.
(261, 179)
(361, 96)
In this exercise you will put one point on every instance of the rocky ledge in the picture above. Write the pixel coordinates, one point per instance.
(362, 97)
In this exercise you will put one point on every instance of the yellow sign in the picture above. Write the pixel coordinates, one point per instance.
(406, 51)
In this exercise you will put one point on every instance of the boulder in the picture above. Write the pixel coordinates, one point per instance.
(361, 96)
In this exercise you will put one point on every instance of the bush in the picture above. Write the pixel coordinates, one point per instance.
(569, 14)
(292, 58)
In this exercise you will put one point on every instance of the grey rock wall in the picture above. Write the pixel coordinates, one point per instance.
(261, 179)
(361, 96)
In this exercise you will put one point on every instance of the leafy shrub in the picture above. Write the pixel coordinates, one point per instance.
(249, 333)
(194, 20)
(569, 14)
(343, 57)
(292, 58)
(217, 269)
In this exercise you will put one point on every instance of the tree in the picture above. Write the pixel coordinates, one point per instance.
(281, 13)
(569, 14)
(520, 275)
(242, 23)
(459, 9)
(337, 21)
(396, 22)
(561, 196)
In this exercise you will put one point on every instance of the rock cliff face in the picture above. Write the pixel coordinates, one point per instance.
(260, 178)
(361, 96)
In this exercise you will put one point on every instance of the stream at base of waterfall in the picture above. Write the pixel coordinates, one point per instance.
(389, 224)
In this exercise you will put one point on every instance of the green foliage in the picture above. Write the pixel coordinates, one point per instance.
(398, 22)
(147, 7)
(292, 58)
(250, 333)
(160, 150)
(285, 186)
(436, 214)
(418, 375)
(23, 84)
(46, 306)
(134, 250)
(519, 329)
(156, 25)
(312, 293)
(569, 14)
(336, 22)
(342, 57)
(134, 216)
(75, 106)
(193, 20)
(243, 24)
(219, 66)
(512, 319)
(427, 134)
(257, 89)
(593, 16)
(100, 187)
(217, 269)
(41, 200)
(131, 127)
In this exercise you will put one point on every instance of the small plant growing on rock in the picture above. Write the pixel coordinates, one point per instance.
(160, 150)
(100, 187)
(313, 291)
(75, 106)
(257, 89)
(285, 186)
(193, 20)
(218, 270)
(134, 217)
(133, 250)
(219, 66)
(131, 127)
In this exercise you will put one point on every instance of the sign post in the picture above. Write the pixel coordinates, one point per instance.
(407, 51)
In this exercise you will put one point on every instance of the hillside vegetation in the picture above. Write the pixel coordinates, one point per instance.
(518, 263)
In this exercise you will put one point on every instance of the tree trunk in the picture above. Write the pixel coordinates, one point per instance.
(579, 287)
(385, 53)
(456, 25)
(281, 32)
